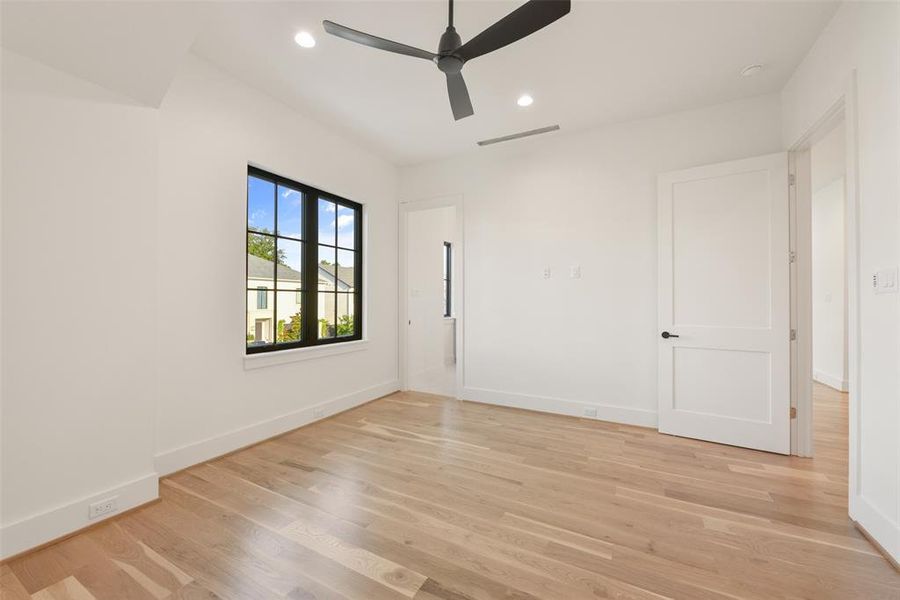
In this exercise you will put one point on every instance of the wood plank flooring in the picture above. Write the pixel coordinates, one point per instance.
(421, 497)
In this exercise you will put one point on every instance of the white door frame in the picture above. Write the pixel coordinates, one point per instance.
(457, 289)
(843, 107)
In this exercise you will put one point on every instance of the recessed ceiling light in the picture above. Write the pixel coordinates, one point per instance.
(751, 70)
(525, 100)
(305, 39)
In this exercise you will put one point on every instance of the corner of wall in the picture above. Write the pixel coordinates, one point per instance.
(47, 527)
(198, 452)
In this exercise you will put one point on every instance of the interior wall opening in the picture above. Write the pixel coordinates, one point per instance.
(431, 250)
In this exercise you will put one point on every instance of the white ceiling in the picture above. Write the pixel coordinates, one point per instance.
(133, 48)
(604, 62)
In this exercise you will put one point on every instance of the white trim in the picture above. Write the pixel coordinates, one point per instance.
(575, 408)
(841, 385)
(881, 528)
(459, 284)
(280, 357)
(47, 526)
(801, 297)
(198, 452)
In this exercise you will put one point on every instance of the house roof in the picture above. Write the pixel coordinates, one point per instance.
(260, 268)
(344, 274)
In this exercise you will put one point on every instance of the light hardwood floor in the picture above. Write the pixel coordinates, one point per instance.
(423, 497)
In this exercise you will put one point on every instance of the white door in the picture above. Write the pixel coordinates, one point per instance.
(724, 303)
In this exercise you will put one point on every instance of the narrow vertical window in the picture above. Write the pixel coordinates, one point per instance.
(448, 277)
(303, 265)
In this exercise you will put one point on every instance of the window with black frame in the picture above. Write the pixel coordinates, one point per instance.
(304, 259)
(448, 277)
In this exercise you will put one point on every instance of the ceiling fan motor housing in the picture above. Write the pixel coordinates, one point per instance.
(449, 63)
(446, 61)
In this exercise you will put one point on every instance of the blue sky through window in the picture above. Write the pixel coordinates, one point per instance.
(290, 212)
(345, 218)
(260, 205)
(326, 222)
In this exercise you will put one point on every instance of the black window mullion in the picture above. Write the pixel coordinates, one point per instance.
(310, 306)
(275, 273)
(357, 273)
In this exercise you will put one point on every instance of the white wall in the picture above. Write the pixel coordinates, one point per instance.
(865, 38)
(828, 157)
(79, 363)
(829, 316)
(429, 332)
(146, 372)
(586, 199)
(211, 126)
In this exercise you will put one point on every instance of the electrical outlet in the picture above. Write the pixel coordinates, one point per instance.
(590, 412)
(547, 273)
(103, 507)
(575, 272)
(318, 413)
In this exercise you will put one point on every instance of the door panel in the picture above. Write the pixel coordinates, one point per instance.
(724, 292)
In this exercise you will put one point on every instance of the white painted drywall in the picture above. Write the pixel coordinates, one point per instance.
(211, 127)
(829, 331)
(79, 246)
(865, 38)
(588, 200)
(123, 287)
(829, 316)
(828, 157)
(430, 334)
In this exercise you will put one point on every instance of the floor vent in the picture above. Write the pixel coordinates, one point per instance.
(516, 136)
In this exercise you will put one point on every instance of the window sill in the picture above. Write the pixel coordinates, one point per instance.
(280, 357)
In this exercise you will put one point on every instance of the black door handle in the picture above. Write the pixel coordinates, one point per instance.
(667, 335)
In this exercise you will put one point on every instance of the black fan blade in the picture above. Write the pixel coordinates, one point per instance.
(522, 22)
(459, 96)
(375, 42)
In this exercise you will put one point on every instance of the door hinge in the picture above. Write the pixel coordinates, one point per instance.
(793, 256)
(792, 179)
(793, 334)
(793, 412)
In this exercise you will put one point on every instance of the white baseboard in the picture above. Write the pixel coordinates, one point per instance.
(198, 452)
(44, 527)
(574, 408)
(885, 532)
(841, 385)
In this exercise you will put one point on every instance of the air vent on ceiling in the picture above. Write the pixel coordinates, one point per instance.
(516, 136)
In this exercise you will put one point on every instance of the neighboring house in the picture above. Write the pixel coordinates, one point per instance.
(261, 323)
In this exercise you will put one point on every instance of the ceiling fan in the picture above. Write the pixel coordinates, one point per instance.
(452, 54)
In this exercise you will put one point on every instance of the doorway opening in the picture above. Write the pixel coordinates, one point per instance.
(822, 310)
(828, 261)
(431, 302)
(824, 277)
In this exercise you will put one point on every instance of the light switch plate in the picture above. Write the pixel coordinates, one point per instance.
(575, 272)
(885, 281)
